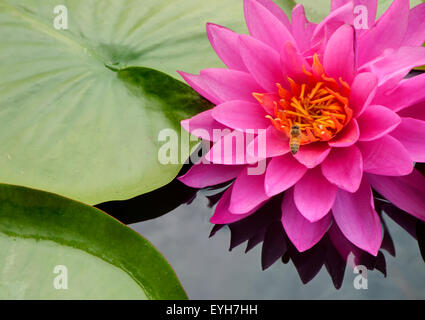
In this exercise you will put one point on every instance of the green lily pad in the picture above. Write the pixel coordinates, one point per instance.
(56, 248)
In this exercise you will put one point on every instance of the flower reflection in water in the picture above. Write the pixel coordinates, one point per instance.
(264, 228)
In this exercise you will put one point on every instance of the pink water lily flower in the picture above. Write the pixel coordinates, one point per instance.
(340, 116)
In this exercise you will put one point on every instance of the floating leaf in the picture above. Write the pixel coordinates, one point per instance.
(94, 256)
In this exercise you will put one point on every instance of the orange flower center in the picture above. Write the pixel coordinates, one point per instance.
(313, 111)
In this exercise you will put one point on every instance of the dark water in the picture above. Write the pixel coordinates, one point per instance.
(208, 270)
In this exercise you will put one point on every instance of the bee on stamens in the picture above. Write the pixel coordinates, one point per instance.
(295, 140)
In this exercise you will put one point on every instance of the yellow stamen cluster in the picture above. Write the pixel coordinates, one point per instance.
(318, 108)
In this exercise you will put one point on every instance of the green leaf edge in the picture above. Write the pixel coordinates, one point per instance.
(22, 214)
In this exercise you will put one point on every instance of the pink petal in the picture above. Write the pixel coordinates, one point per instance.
(276, 144)
(357, 219)
(347, 136)
(363, 91)
(385, 156)
(411, 133)
(231, 84)
(388, 33)
(205, 175)
(230, 149)
(302, 233)
(338, 60)
(265, 26)
(344, 168)
(416, 111)
(311, 155)
(314, 195)
(337, 18)
(282, 173)
(407, 192)
(199, 85)
(248, 193)
(371, 6)
(392, 68)
(407, 93)
(415, 34)
(203, 125)
(262, 62)
(225, 44)
(222, 215)
(276, 11)
(241, 115)
(376, 122)
(292, 62)
(302, 29)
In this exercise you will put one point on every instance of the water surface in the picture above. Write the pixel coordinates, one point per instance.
(208, 270)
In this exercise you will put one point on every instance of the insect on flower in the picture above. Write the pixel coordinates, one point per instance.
(294, 141)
